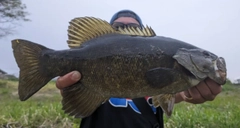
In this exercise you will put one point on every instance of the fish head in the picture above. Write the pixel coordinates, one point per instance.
(202, 64)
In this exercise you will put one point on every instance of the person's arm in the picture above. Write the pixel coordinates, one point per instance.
(68, 79)
(205, 91)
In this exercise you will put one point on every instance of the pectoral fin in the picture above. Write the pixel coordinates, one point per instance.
(79, 101)
(161, 77)
(165, 101)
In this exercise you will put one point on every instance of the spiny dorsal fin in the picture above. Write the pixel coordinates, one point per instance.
(83, 29)
(135, 31)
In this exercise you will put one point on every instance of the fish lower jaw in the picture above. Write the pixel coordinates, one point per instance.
(220, 76)
(223, 75)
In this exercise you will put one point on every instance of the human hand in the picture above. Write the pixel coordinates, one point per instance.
(68, 80)
(206, 90)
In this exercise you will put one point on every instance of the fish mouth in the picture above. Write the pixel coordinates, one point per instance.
(202, 64)
(218, 72)
(220, 67)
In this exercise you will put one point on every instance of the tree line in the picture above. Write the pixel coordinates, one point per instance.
(12, 12)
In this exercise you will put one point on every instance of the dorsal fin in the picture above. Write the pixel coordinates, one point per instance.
(83, 29)
(135, 31)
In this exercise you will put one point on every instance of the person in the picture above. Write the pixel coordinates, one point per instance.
(135, 113)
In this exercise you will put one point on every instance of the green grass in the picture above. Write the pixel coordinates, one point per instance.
(43, 110)
(223, 112)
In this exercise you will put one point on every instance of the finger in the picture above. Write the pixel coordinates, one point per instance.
(197, 98)
(213, 86)
(187, 95)
(179, 97)
(68, 79)
(205, 91)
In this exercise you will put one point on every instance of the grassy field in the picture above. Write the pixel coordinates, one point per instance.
(223, 112)
(43, 110)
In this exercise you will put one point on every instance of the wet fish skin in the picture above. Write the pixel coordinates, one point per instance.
(120, 63)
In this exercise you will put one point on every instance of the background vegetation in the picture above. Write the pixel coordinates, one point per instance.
(43, 110)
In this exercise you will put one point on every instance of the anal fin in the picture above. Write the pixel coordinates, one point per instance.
(79, 101)
(165, 101)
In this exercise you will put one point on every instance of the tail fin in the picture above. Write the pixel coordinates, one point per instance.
(28, 56)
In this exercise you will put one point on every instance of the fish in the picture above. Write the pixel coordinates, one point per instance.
(127, 62)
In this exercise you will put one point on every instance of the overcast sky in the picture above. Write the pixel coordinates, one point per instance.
(213, 25)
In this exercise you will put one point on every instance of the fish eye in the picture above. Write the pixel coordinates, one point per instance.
(205, 53)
